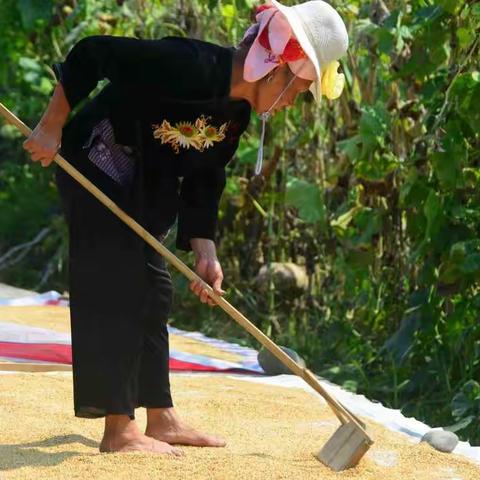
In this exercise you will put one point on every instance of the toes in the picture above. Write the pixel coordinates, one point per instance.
(219, 442)
(210, 441)
(178, 452)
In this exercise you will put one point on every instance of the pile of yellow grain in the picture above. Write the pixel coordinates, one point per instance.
(271, 433)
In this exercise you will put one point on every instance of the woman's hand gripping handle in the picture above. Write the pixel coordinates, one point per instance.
(208, 268)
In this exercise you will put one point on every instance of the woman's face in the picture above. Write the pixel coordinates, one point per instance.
(267, 93)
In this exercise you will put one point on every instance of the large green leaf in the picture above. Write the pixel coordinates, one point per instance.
(465, 93)
(368, 222)
(446, 169)
(307, 198)
(351, 146)
(373, 127)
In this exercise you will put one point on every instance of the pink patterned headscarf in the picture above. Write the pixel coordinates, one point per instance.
(274, 45)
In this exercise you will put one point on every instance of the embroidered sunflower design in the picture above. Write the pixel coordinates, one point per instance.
(200, 135)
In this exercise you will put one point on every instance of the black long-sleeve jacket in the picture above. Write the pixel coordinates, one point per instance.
(169, 100)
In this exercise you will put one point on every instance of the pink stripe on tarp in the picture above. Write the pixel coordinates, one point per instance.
(175, 364)
(54, 302)
(44, 352)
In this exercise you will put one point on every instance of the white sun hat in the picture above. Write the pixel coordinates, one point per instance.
(321, 33)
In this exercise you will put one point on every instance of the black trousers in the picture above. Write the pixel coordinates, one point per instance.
(120, 298)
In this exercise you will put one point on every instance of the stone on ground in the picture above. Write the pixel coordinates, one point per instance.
(441, 440)
(272, 366)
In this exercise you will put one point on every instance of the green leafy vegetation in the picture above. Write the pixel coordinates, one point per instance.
(375, 194)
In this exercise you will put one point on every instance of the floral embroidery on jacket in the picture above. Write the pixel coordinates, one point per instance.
(201, 135)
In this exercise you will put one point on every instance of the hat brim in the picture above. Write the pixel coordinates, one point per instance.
(302, 37)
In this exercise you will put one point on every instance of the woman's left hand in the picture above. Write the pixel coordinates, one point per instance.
(208, 268)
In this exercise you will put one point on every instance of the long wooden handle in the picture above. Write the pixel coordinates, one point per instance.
(342, 413)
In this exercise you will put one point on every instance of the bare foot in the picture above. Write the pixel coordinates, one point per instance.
(185, 436)
(142, 443)
(164, 425)
(123, 435)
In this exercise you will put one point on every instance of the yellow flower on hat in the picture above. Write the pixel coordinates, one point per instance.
(332, 81)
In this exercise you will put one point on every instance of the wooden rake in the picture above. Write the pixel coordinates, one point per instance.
(350, 441)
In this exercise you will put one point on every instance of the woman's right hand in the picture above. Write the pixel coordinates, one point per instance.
(44, 142)
(45, 139)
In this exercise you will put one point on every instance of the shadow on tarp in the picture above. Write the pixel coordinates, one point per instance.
(28, 455)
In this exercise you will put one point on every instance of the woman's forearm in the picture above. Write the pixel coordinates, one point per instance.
(46, 137)
(203, 248)
(58, 109)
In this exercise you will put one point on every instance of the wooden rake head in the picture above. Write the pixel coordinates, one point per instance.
(350, 442)
(345, 447)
